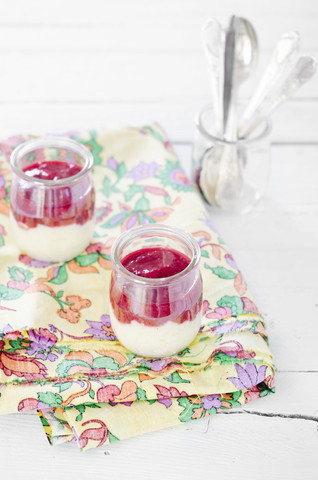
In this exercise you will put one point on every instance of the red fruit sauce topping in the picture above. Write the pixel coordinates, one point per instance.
(53, 170)
(155, 262)
(59, 206)
(158, 304)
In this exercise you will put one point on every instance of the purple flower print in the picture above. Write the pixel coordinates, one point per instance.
(143, 170)
(2, 181)
(178, 176)
(167, 402)
(207, 221)
(229, 327)
(101, 330)
(156, 365)
(211, 401)
(6, 329)
(231, 262)
(31, 262)
(112, 163)
(249, 376)
(42, 340)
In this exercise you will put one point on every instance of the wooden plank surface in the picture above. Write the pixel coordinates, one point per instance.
(77, 64)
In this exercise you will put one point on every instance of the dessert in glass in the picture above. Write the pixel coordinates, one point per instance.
(156, 290)
(52, 198)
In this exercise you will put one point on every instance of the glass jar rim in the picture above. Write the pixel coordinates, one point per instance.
(266, 122)
(125, 237)
(51, 142)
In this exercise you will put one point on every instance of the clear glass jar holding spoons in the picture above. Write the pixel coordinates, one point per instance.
(241, 188)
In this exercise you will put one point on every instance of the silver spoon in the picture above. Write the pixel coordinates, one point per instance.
(303, 70)
(244, 59)
(281, 60)
(213, 37)
(243, 56)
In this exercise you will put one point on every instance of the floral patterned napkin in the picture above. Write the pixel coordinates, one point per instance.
(58, 353)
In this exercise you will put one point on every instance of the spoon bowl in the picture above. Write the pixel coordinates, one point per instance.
(244, 58)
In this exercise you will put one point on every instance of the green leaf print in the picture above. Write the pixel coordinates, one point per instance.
(131, 192)
(49, 398)
(106, 187)
(7, 293)
(44, 422)
(63, 386)
(106, 362)
(188, 409)
(86, 260)
(20, 274)
(235, 304)
(224, 359)
(176, 378)
(224, 273)
(142, 205)
(121, 170)
(112, 437)
(18, 344)
(63, 368)
(141, 394)
(61, 276)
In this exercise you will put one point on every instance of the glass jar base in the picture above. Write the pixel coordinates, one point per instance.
(53, 244)
(155, 342)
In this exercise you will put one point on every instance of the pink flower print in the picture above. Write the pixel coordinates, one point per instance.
(219, 313)
(205, 307)
(249, 376)
(249, 306)
(234, 349)
(165, 394)
(143, 170)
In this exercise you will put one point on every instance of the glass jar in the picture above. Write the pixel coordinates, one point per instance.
(155, 317)
(231, 176)
(52, 198)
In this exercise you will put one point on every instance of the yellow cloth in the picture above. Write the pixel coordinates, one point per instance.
(58, 353)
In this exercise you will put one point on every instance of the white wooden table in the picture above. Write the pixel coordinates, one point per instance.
(69, 64)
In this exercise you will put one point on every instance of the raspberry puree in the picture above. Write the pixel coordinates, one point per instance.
(155, 262)
(54, 170)
(56, 206)
(157, 305)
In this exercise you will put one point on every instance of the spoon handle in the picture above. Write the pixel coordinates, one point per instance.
(281, 59)
(230, 86)
(213, 36)
(302, 71)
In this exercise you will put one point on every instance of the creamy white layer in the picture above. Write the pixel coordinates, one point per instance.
(155, 342)
(53, 244)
